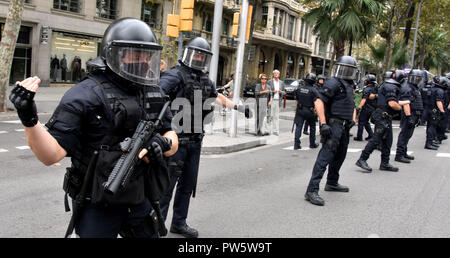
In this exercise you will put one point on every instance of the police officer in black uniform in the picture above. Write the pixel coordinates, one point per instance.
(188, 85)
(91, 120)
(319, 83)
(425, 91)
(305, 96)
(367, 107)
(387, 105)
(447, 75)
(440, 103)
(411, 114)
(336, 110)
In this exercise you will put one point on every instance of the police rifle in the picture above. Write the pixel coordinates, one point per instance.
(131, 147)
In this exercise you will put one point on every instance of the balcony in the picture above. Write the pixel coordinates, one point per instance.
(225, 41)
(267, 36)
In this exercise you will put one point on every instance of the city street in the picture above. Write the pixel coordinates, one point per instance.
(254, 193)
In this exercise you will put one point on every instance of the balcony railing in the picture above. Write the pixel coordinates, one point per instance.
(224, 40)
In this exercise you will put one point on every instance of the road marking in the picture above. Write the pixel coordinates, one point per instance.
(373, 235)
(3, 150)
(11, 122)
(292, 148)
(19, 130)
(353, 150)
(23, 147)
(443, 155)
(393, 152)
(3, 132)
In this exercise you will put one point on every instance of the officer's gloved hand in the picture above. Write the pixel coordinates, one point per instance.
(325, 130)
(23, 101)
(351, 124)
(157, 145)
(410, 121)
(244, 109)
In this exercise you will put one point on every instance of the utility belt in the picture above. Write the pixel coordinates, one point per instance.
(417, 113)
(345, 123)
(384, 114)
(300, 107)
(188, 139)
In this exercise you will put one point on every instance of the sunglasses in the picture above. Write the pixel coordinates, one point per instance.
(263, 78)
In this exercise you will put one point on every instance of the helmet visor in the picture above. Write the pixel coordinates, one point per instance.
(196, 59)
(345, 72)
(136, 64)
(414, 79)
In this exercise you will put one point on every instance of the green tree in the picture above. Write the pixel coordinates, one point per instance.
(344, 21)
(8, 46)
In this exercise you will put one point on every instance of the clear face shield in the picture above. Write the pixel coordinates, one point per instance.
(135, 63)
(196, 59)
(415, 79)
(345, 72)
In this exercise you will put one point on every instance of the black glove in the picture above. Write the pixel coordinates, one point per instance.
(410, 121)
(24, 103)
(244, 109)
(325, 130)
(351, 124)
(157, 145)
(441, 115)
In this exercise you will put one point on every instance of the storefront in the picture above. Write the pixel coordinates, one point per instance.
(69, 54)
(21, 64)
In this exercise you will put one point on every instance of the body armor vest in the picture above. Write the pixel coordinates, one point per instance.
(371, 102)
(417, 102)
(306, 96)
(427, 96)
(343, 103)
(382, 97)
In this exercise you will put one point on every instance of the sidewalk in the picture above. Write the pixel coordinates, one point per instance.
(216, 140)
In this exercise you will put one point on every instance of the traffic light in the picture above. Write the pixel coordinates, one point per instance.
(186, 15)
(173, 24)
(249, 21)
(235, 30)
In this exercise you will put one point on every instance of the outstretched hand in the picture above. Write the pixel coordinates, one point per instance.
(22, 96)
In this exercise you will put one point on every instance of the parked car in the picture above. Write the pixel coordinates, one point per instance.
(291, 86)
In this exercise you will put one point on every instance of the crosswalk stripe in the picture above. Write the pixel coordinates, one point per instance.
(393, 152)
(23, 147)
(19, 130)
(443, 155)
(3, 132)
(292, 148)
(3, 150)
(11, 122)
(353, 150)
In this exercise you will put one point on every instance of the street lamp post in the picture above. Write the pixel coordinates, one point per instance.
(415, 35)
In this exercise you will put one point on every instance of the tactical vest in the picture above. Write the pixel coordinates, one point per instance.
(125, 111)
(305, 96)
(417, 102)
(196, 82)
(427, 97)
(371, 103)
(343, 104)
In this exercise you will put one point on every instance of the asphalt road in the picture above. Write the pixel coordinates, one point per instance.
(254, 193)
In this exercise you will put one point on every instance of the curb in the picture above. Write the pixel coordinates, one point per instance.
(232, 148)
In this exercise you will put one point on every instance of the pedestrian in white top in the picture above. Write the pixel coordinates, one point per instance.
(278, 93)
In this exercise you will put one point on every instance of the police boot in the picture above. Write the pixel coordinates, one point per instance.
(297, 146)
(313, 146)
(368, 138)
(314, 198)
(358, 139)
(305, 133)
(388, 167)
(402, 159)
(363, 164)
(184, 230)
(336, 188)
(429, 146)
(409, 157)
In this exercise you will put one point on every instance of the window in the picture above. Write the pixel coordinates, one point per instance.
(280, 23)
(301, 29)
(149, 13)
(67, 5)
(275, 21)
(264, 14)
(306, 33)
(107, 9)
(225, 26)
(290, 27)
(207, 23)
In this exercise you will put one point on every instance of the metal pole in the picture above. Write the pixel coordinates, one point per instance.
(415, 35)
(239, 65)
(180, 45)
(215, 47)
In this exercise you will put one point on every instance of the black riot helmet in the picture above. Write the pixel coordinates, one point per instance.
(370, 79)
(415, 77)
(442, 82)
(388, 75)
(447, 75)
(130, 49)
(197, 54)
(399, 76)
(311, 78)
(346, 68)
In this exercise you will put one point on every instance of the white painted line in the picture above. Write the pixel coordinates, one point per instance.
(3, 150)
(292, 148)
(12, 122)
(353, 150)
(393, 152)
(289, 148)
(3, 132)
(19, 130)
(443, 155)
(23, 147)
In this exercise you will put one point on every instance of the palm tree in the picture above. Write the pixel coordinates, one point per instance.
(433, 51)
(344, 21)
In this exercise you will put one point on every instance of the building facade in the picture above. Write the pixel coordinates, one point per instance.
(58, 37)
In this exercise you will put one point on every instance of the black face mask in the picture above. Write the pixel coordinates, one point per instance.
(139, 69)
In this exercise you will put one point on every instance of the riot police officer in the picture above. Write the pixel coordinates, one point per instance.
(319, 83)
(305, 96)
(367, 106)
(336, 110)
(425, 92)
(91, 121)
(439, 101)
(188, 85)
(387, 104)
(411, 114)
